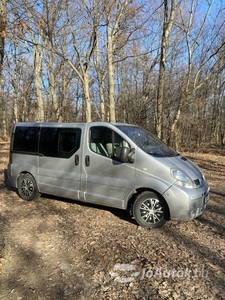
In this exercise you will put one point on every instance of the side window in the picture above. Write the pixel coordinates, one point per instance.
(26, 139)
(59, 142)
(106, 142)
(99, 140)
(67, 141)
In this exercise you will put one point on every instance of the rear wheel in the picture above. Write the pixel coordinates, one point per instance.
(27, 187)
(150, 210)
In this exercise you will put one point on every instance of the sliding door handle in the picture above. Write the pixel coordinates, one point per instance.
(76, 160)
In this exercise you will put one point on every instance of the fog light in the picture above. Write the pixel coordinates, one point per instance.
(195, 213)
(192, 214)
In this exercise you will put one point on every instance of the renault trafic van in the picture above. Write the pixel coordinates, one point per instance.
(112, 164)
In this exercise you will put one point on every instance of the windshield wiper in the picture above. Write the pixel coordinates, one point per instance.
(153, 153)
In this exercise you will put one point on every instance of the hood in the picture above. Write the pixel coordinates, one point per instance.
(183, 164)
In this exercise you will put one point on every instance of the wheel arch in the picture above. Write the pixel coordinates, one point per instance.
(27, 187)
(21, 173)
(139, 191)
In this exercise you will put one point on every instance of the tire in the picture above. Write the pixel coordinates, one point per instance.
(150, 210)
(27, 187)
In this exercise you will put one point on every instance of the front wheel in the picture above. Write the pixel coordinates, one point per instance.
(150, 210)
(27, 187)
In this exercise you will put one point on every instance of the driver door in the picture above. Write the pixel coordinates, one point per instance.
(107, 181)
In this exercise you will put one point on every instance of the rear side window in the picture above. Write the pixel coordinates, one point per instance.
(59, 142)
(26, 139)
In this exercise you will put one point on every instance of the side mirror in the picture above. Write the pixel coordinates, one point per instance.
(126, 155)
(130, 158)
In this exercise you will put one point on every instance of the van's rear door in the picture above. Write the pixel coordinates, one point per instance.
(60, 160)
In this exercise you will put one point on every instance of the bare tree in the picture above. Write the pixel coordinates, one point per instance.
(31, 30)
(2, 54)
(3, 33)
(157, 65)
(83, 39)
(119, 17)
(100, 67)
(193, 80)
(169, 9)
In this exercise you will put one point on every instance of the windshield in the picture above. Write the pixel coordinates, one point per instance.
(147, 141)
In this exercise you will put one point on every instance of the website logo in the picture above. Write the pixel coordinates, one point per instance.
(124, 273)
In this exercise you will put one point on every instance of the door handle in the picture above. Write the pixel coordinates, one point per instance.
(76, 160)
(87, 160)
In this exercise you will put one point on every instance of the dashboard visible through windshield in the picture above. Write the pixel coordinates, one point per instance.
(147, 141)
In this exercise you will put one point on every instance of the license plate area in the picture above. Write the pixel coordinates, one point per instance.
(206, 199)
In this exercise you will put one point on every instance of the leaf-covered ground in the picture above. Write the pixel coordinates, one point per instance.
(57, 249)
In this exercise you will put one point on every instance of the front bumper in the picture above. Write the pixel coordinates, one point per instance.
(186, 204)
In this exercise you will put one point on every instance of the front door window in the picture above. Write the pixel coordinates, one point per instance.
(106, 142)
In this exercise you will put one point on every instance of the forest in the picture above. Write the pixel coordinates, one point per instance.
(156, 63)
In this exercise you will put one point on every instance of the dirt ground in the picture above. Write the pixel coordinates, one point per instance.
(57, 249)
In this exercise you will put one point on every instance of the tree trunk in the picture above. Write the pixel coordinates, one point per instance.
(100, 82)
(167, 25)
(38, 52)
(2, 32)
(112, 113)
(2, 53)
(52, 86)
(86, 96)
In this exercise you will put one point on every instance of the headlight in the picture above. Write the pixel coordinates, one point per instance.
(182, 178)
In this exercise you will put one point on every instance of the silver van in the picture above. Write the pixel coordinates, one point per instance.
(112, 164)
